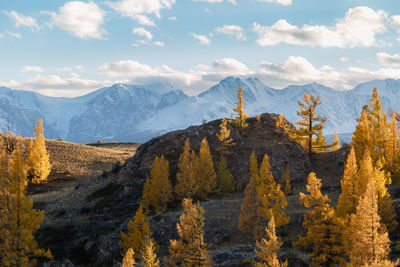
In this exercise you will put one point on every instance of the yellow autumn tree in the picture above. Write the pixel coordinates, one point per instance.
(319, 143)
(285, 180)
(38, 160)
(149, 256)
(138, 231)
(157, 190)
(367, 238)
(348, 198)
(279, 124)
(189, 249)
(241, 117)
(268, 247)
(224, 136)
(224, 178)
(207, 179)
(336, 142)
(361, 139)
(19, 221)
(187, 185)
(250, 209)
(324, 229)
(129, 260)
(310, 122)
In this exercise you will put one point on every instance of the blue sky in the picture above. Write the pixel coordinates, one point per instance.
(69, 48)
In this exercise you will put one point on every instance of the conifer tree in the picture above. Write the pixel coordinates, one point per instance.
(250, 209)
(391, 148)
(187, 185)
(224, 136)
(157, 191)
(138, 231)
(190, 249)
(267, 248)
(271, 196)
(361, 139)
(129, 260)
(280, 122)
(149, 257)
(324, 229)
(368, 240)
(320, 142)
(38, 161)
(285, 180)
(348, 198)
(19, 221)
(240, 120)
(310, 122)
(207, 178)
(224, 178)
(336, 142)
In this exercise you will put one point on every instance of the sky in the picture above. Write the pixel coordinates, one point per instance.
(70, 48)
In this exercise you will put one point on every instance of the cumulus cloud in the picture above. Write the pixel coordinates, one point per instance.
(203, 39)
(124, 67)
(216, 1)
(24, 21)
(14, 34)
(388, 60)
(69, 69)
(281, 2)
(140, 10)
(144, 42)
(359, 27)
(32, 69)
(234, 30)
(82, 19)
(143, 32)
(173, 18)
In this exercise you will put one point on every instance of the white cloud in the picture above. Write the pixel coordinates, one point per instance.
(32, 69)
(216, 1)
(82, 19)
(14, 34)
(388, 60)
(143, 32)
(144, 42)
(203, 39)
(234, 30)
(125, 68)
(358, 28)
(24, 21)
(69, 69)
(140, 10)
(158, 43)
(173, 18)
(281, 2)
(344, 59)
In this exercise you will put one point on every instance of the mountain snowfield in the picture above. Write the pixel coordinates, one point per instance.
(136, 113)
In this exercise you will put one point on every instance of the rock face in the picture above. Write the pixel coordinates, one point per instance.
(261, 137)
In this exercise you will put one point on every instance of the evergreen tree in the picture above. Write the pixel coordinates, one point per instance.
(348, 198)
(361, 139)
(310, 122)
(267, 248)
(224, 178)
(38, 159)
(157, 191)
(187, 185)
(207, 178)
(240, 120)
(270, 194)
(336, 142)
(280, 122)
(251, 205)
(19, 221)
(138, 231)
(129, 260)
(368, 240)
(224, 136)
(190, 250)
(285, 180)
(149, 257)
(324, 229)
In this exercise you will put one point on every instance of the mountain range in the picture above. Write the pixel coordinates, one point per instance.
(136, 113)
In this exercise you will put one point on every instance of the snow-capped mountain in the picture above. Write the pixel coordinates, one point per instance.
(137, 113)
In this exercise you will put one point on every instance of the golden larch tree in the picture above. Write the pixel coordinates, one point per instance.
(224, 136)
(138, 231)
(324, 229)
(19, 221)
(224, 178)
(336, 142)
(207, 178)
(361, 139)
(268, 247)
(190, 249)
(319, 143)
(285, 181)
(129, 260)
(368, 240)
(38, 160)
(157, 191)
(187, 185)
(279, 124)
(250, 209)
(241, 117)
(149, 257)
(310, 122)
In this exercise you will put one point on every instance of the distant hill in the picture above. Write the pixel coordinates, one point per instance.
(137, 113)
